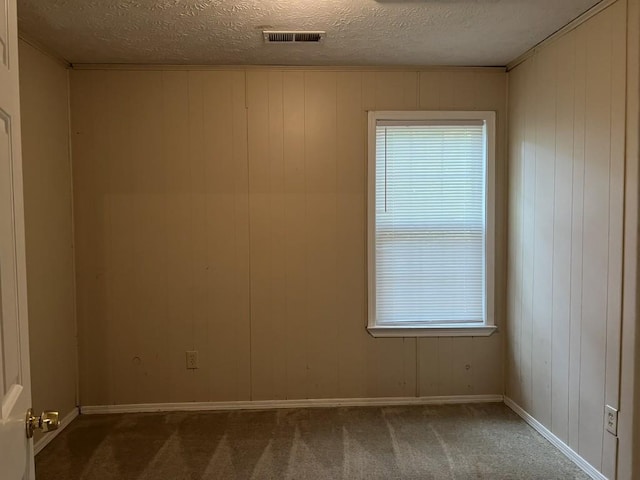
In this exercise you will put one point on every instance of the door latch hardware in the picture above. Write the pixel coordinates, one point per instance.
(46, 422)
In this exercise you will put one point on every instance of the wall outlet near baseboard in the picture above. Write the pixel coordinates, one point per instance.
(611, 419)
(192, 359)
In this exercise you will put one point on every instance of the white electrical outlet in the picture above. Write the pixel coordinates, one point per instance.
(192, 359)
(611, 419)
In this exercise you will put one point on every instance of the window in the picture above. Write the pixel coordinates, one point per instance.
(430, 203)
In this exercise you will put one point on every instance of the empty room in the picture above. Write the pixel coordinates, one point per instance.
(330, 239)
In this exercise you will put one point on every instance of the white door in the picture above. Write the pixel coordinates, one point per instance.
(16, 452)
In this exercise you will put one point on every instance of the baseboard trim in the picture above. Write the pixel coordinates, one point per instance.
(555, 441)
(48, 438)
(279, 404)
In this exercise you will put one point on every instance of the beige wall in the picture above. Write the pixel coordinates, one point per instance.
(224, 211)
(566, 164)
(44, 105)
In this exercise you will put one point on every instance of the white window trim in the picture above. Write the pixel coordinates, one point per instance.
(435, 330)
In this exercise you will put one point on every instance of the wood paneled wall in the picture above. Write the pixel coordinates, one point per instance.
(44, 103)
(629, 422)
(224, 211)
(566, 167)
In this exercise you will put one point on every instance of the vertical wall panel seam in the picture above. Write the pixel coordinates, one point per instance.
(336, 258)
(284, 217)
(520, 160)
(247, 135)
(553, 238)
(74, 280)
(584, 176)
(571, 253)
(306, 246)
(533, 234)
(270, 242)
(163, 159)
(191, 221)
(507, 229)
(108, 217)
(206, 193)
(522, 126)
(234, 105)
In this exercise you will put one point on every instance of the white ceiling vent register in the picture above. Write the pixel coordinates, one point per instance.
(290, 36)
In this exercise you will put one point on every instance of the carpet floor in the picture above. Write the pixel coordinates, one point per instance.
(482, 441)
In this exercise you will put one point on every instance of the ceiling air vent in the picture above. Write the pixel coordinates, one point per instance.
(271, 36)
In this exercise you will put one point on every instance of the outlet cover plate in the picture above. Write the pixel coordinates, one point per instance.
(192, 359)
(611, 419)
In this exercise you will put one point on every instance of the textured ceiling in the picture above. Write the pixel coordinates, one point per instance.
(359, 32)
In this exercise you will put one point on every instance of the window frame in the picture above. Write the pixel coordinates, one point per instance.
(444, 329)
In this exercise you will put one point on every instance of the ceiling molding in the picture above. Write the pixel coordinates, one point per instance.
(43, 49)
(569, 27)
(402, 68)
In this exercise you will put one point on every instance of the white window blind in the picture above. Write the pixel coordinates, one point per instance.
(430, 222)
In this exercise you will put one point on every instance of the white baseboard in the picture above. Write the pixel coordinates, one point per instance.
(275, 404)
(559, 444)
(47, 438)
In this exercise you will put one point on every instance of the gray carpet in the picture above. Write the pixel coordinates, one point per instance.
(418, 442)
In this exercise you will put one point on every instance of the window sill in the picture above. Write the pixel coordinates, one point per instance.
(435, 331)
